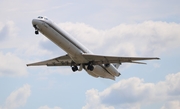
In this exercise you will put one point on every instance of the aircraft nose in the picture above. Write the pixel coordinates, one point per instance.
(34, 22)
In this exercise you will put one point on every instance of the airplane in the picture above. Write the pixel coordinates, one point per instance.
(78, 57)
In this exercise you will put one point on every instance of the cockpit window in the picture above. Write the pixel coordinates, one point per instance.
(40, 17)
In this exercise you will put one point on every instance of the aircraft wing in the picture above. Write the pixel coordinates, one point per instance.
(100, 59)
(96, 59)
(59, 61)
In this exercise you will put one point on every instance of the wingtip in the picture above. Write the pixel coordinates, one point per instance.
(158, 58)
(28, 65)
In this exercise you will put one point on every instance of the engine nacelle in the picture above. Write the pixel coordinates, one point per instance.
(92, 74)
(111, 69)
(99, 71)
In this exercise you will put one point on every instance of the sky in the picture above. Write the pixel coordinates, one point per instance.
(116, 27)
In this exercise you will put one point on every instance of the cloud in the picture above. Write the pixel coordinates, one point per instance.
(3, 33)
(20, 6)
(9, 35)
(133, 93)
(11, 40)
(17, 98)
(48, 45)
(46, 107)
(85, 33)
(7, 30)
(94, 101)
(11, 65)
(172, 105)
(146, 38)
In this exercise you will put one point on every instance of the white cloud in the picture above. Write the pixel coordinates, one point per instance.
(172, 105)
(94, 101)
(11, 38)
(133, 93)
(17, 98)
(11, 65)
(85, 33)
(7, 30)
(19, 6)
(8, 35)
(146, 38)
(46, 107)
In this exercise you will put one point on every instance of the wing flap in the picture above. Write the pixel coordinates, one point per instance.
(59, 61)
(100, 59)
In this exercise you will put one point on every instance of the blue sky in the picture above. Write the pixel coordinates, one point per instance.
(122, 28)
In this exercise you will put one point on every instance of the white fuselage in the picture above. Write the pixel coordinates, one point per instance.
(70, 45)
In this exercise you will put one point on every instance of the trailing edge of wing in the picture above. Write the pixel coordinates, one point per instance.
(100, 59)
(59, 61)
(137, 62)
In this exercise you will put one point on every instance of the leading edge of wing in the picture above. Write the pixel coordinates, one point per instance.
(102, 59)
(59, 61)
